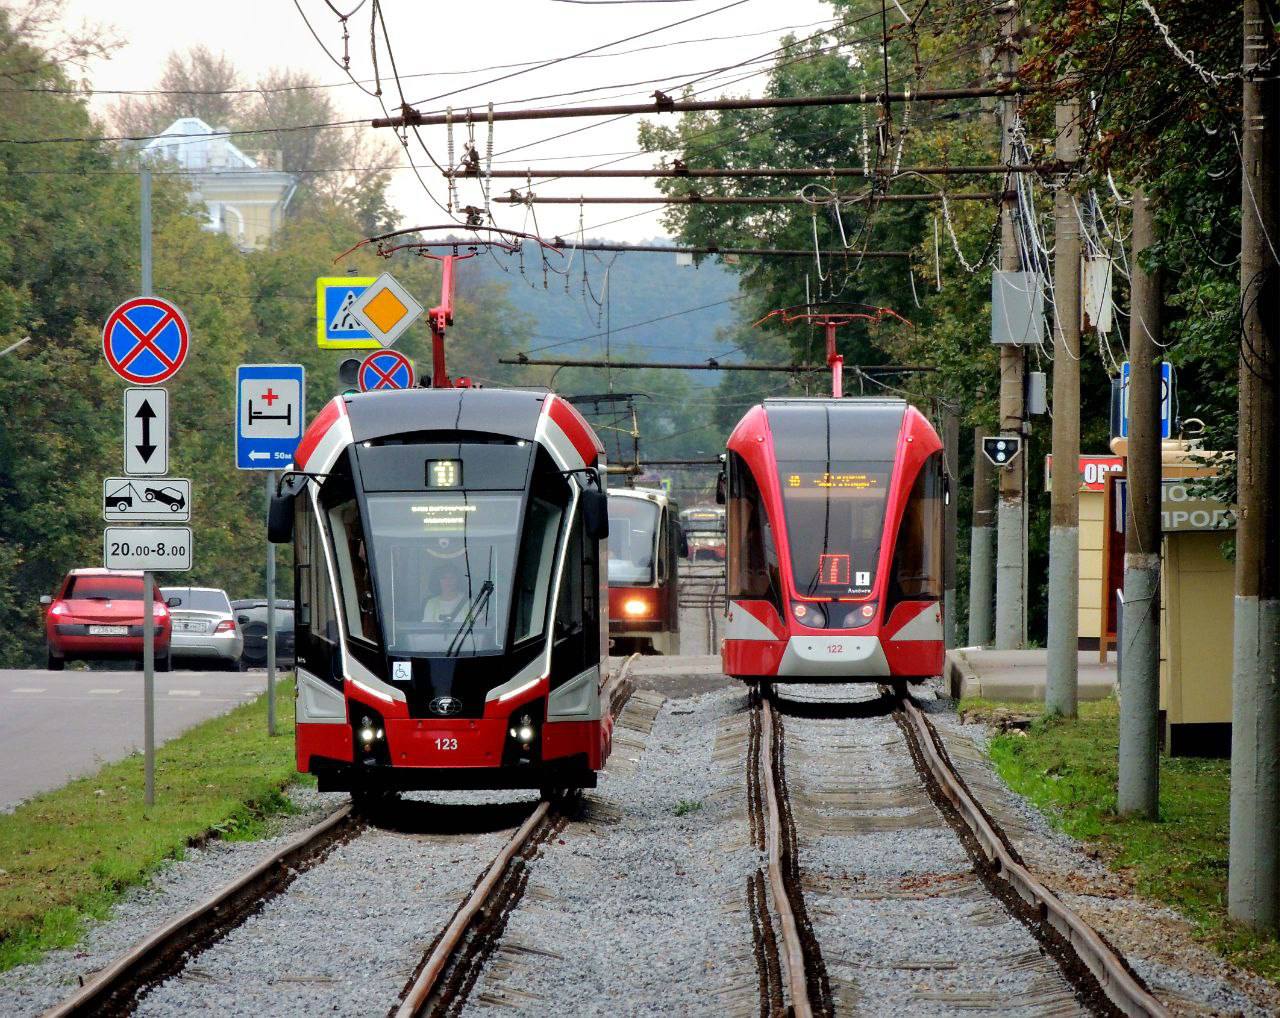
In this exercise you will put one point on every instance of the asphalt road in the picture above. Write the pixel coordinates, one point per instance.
(55, 726)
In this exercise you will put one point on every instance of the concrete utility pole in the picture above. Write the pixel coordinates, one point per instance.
(1253, 890)
(1139, 783)
(982, 543)
(1064, 511)
(1011, 519)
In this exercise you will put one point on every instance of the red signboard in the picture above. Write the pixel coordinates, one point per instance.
(1093, 471)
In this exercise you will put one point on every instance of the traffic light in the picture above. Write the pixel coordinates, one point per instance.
(349, 376)
(1002, 450)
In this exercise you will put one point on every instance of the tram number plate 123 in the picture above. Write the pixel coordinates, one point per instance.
(159, 549)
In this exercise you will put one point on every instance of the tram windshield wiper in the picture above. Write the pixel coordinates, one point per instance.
(474, 610)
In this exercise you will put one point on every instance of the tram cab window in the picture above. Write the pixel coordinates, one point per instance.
(753, 565)
(536, 569)
(917, 560)
(835, 516)
(633, 531)
(351, 557)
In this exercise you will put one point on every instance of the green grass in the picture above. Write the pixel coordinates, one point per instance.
(686, 806)
(1068, 769)
(68, 855)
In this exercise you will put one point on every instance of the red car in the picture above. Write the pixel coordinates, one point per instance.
(97, 615)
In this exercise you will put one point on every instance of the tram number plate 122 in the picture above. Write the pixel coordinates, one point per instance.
(159, 549)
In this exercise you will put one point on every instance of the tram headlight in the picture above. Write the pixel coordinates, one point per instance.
(860, 615)
(811, 615)
(636, 607)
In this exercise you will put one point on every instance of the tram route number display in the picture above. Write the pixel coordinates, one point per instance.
(158, 549)
(855, 481)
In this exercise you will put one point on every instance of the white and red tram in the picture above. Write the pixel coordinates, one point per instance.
(450, 600)
(835, 530)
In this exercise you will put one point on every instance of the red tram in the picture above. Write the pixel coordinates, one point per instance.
(835, 517)
(645, 546)
(450, 601)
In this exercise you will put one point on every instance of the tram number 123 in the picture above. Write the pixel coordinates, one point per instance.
(446, 744)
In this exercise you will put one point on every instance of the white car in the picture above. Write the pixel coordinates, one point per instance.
(204, 627)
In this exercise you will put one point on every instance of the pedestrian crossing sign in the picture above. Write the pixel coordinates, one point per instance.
(337, 328)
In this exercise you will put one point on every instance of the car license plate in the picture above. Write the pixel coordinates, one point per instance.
(189, 627)
(108, 630)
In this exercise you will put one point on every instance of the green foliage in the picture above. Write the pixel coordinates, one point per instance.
(69, 855)
(686, 806)
(1068, 770)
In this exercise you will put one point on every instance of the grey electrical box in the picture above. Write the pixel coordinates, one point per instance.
(1017, 308)
(1037, 394)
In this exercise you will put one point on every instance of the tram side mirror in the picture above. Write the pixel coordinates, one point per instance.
(595, 514)
(280, 519)
(722, 485)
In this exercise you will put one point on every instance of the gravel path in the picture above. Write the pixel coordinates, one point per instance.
(904, 925)
(641, 908)
(179, 885)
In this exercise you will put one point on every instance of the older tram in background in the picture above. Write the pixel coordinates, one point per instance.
(835, 530)
(703, 527)
(645, 545)
(449, 587)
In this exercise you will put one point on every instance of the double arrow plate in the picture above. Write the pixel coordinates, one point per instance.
(146, 432)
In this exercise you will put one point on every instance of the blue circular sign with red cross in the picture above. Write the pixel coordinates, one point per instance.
(385, 369)
(146, 340)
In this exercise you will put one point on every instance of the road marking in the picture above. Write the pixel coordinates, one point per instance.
(104, 692)
(29, 689)
(184, 692)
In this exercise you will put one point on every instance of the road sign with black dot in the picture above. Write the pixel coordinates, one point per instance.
(1001, 450)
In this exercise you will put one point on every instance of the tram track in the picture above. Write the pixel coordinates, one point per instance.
(443, 976)
(792, 969)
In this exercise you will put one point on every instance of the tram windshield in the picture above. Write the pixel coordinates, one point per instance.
(451, 569)
(703, 521)
(835, 518)
(633, 525)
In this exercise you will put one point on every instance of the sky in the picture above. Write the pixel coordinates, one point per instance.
(458, 48)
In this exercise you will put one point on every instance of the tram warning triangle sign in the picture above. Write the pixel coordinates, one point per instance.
(337, 326)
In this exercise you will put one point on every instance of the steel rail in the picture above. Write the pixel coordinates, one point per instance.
(1114, 979)
(132, 970)
(793, 948)
(613, 690)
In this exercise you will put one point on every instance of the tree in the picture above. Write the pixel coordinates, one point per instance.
(197, 83)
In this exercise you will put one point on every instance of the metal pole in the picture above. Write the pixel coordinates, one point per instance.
(1062, 681)
(516, 198)
(149, 687)
(1011, 540)
(664, 104)
(981, 546)
(1253, 889)
(1138, 788)
(271, 619)
(710, 365)
(148, 581)
(785, 173)
(951, 523)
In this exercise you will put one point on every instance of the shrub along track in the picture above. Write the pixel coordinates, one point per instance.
(792, 971)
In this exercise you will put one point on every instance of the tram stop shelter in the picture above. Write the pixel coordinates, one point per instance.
(1197, 597)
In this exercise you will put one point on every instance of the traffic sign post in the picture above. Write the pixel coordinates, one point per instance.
(386, 309)
(146, 432)
(270, 406)
(1002, 450)
(132, 500)
(337, 328)
(146, 340)
(385, 369)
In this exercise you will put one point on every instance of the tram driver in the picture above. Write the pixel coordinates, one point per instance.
(448, 602)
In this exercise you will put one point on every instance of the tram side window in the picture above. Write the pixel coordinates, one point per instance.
(570, 606)
(535, 566)
(351, 555)
(917, 559)
(753, 568)
(315, 615)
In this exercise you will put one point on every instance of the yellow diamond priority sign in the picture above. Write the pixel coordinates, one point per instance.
(386, 309)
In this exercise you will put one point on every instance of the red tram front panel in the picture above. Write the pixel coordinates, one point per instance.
(834, 542)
